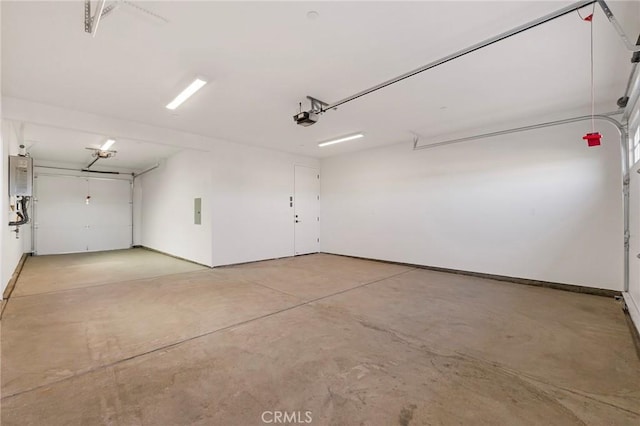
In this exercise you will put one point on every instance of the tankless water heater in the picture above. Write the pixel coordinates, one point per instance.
(20, 176)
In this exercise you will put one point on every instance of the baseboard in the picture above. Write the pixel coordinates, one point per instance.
(12, 281)
(170, 255)
(249, 262)
(525, 281)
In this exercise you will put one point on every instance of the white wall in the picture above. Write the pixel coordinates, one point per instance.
(12, 248)
(245, 204)
(245, 190)
(252, 218)
(166, 211)
(537, 205)
(22, 110)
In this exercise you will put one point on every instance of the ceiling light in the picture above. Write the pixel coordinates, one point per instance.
(187, 93)
(105, 146)
(344, 139)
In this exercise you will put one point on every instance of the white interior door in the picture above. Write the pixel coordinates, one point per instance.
(76, 214)
(306, 210)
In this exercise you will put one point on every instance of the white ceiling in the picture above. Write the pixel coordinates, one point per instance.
(262, 58)
(50, 145)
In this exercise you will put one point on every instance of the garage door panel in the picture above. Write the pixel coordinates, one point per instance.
(66, 221)
(58, 214)
(108, 238)
(109, 204)
(109, 215)
(61, 239)
(109, 190)
(64, 189)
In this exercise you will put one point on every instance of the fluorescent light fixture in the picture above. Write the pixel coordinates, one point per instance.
(344, 139)
(187, 93)
(105, 146)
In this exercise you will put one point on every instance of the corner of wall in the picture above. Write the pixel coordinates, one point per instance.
(12, 247)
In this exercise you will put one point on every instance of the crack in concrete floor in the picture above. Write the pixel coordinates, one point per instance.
(404, 307)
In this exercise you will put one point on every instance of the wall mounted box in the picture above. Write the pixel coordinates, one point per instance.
(197, 211)
(20, 176)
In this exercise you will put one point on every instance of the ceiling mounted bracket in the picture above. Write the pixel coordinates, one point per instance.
(102, 153)
(628, 43)
(87, 16)
(318, 106)
(91, 22)
(99, 154)
(307, 118)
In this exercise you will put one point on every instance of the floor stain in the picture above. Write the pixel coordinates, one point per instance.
(406, 414)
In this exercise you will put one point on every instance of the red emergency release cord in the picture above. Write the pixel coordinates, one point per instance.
(593, 138)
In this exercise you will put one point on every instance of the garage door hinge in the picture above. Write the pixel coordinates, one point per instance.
(318, 239)
(627, 237)
(625, 185)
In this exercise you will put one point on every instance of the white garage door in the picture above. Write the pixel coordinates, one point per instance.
(76, 214)
(632, 297)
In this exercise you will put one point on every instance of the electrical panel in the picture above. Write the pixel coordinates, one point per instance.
(197, 211)
(20, 176)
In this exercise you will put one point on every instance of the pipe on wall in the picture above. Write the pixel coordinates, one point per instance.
(22, 212)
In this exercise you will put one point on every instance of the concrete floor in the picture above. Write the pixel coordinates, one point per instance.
(137, 338)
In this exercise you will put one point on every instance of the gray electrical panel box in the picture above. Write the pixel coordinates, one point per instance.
(20, 175)
(197, 211)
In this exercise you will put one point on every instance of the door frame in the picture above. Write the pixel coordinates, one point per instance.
(293, 213)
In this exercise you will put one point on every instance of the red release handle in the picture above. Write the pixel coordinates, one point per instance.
(593, 139)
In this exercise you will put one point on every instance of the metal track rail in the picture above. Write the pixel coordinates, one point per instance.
(624, 138)
(517, 30)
